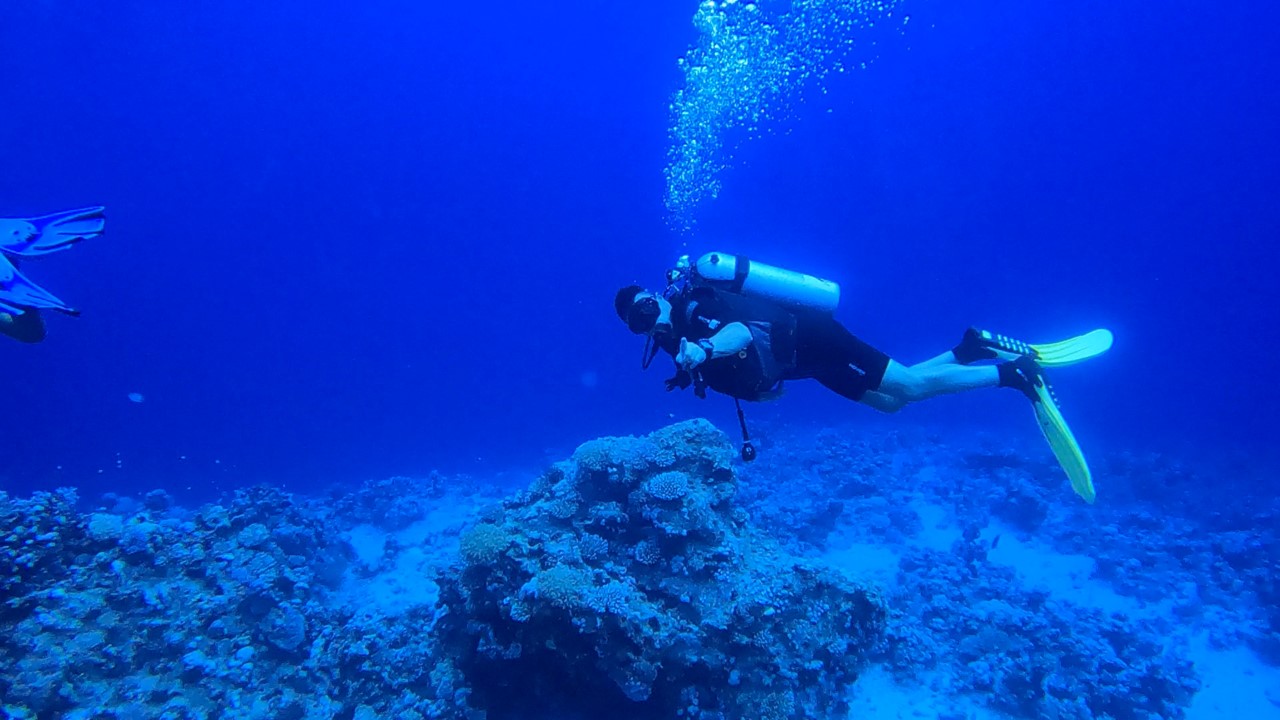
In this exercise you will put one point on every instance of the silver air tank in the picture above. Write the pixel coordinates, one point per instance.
(738, 274)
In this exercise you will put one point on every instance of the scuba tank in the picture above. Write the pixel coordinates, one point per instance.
(738, 274)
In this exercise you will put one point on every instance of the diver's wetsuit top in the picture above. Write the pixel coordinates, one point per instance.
(750, 374)
(786, 345)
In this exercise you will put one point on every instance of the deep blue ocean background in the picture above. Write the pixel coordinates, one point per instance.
(352, 243)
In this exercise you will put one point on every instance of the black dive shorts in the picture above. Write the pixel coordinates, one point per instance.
(827, 352)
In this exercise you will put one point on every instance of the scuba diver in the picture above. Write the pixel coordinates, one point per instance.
(743, 328)
(20, 299)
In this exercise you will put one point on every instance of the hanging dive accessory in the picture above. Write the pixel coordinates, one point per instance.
(748, 449)
(651, 349)
(699, 383)
(744, 276)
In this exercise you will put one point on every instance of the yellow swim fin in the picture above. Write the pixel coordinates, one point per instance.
(1074, 350)
(986, 344)
(1063, 443)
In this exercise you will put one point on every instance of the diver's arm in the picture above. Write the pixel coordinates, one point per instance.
(729, 340)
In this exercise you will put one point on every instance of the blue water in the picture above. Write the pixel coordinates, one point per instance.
(350, 244)
(384, 240)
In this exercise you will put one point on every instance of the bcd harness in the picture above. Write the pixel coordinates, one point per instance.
(756, 372)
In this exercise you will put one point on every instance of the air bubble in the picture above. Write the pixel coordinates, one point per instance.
(746, 72)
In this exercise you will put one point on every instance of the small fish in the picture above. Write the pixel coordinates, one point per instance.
(995, 541)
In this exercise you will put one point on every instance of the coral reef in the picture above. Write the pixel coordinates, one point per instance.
(229, 612)
(1031, 655)
(625, 575)
(1191, 573)
(802, 496)
(628, 578)
(648, 576)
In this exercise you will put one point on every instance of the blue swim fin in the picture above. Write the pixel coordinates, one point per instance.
(29, 237)
(18, 294)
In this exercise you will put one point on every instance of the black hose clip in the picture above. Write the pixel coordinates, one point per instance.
(748, 449)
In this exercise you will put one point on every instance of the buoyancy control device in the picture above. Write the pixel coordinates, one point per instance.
(741, 275)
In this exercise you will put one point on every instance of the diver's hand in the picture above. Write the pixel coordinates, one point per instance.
(680, 381)
(690, 355)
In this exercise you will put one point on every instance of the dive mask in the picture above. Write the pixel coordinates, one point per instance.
(642, 318)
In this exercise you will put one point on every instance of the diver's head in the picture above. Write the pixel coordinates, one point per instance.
(642, 311)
